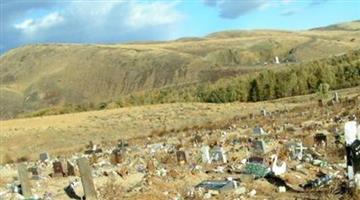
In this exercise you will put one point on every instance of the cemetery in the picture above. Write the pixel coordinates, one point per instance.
(316, 155)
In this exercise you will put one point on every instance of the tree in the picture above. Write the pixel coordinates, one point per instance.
(323, 90)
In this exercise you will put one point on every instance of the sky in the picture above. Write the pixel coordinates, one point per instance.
(25, 22)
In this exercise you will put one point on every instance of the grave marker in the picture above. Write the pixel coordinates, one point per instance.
(259, 131)
(87, 179)
(116, 157)
(205, 154)
(24, 180)
(260, 146)
(320, 139)
(70, 169)
(58, 169)
(44, 157)
(35, 172)
(181, 157)
(218, 155)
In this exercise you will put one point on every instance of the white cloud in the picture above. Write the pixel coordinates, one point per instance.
(87, 21)
(32, 26)
(153, 14)
(232, 9)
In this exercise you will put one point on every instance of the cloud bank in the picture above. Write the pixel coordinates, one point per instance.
(85, 21)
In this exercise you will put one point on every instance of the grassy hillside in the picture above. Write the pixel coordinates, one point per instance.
(64, 134)
(35, 77)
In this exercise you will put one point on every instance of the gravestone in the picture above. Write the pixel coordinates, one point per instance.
(260, 146)
(197, 139)
(44, 157)
(150, 166)
(92, 148)
(355, 156)
(58, 169)
(259, 131)
(336, 97)
(116, 156)
(295, 150)
(87, 179)
(35, 172)
(205, 154)
(218, 155)
(181, 157)
(24, 180)
(70, 168)
(263, 112)
(122, 145)
(320, 139)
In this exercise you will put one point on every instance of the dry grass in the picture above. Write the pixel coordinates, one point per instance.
(111, 191)
(64, 134)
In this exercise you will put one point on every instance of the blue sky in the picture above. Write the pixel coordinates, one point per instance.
(114, 21)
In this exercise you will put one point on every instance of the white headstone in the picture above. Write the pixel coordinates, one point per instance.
(218, 155)
(350, 130)
(205, 151)
(277, 60)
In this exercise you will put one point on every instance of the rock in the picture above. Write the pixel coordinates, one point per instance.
(207, 196)
(281, 189)
(252, 193)
(240, 190)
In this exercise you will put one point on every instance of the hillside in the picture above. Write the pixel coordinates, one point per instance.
(34, 77)
(69, 133)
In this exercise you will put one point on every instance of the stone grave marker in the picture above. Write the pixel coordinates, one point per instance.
(70, 169)
(150, 166)
(116, 156)
(24, 180)
(260, 146)
(58, 169)
(259, 131)
(295, 150)
(320, 139)
(87, 179)
(355, 158)
(35, 172)
(181, 157)
(44, 157)
(205, 154)
(218, 155)
(263, 112)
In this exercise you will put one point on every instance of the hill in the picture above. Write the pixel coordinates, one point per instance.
(40, 76)
(69, 133)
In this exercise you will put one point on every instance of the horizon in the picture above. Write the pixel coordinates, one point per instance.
(30, 22)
